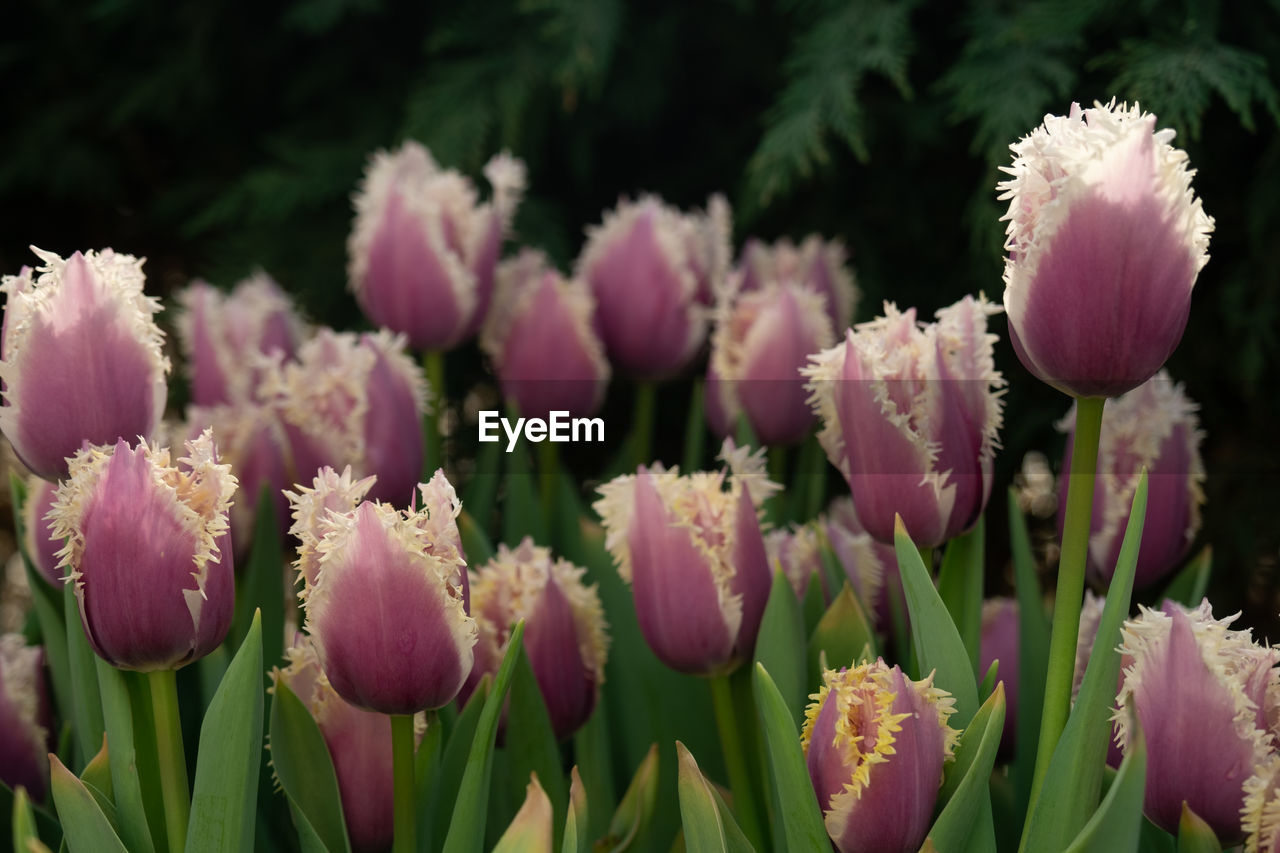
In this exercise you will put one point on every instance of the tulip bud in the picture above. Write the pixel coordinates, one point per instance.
(999, 641)
(149, 549)
(221, 334)
(24, 717)
(41, 547)
(423, 249)
(693, 553)
(384, 595)
(1153, 427)
(1200, 693)
(542, 340)
(798, 552)
(910, 416)
(564, 630)
(355, 401)
(654, 271)
(1105, 240)
(875, 743)
(81, 358)
(818, 264)
(870, 566)
(761, 342)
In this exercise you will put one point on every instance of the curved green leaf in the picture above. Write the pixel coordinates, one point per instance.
(123, 759)
(1033, 654)
(304, 769)
(780, 645)
(965, 789)
(801, 816)
(84, 824)
(843, 632)
(86, 710)
(1188, 585)
(1117, 823)
(530, 830)
(709, 826)
(531, 745)
(577, 835)
(1194, 835)
(960, 586)
(635, 811)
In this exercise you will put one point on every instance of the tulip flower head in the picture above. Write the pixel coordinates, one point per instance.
(423, 249)
(149, 550)
(384, 594)
(1105, 240)
(910, 415)
(542, 340)
(41, 547)
(875, 743)
(1202, 694)
(24, 717)
(654, 271)
(798, 552)
(818, 264)
(564, 632)
(691, 548)
(1153, 427)
(81, 358)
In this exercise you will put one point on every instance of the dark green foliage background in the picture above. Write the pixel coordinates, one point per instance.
(213, 137)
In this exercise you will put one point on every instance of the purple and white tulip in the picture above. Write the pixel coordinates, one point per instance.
(25, 718)
(818, 264)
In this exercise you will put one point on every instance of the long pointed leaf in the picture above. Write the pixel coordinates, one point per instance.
(436, 801)
(800, 814)
(780, 645)
(960, 586)
(83, 821)
(531, 742)
(1188, 585)
(304, 769)
(86, 710)
(708, 825)
(123, 760)
(263, 587)
(1117, 824)
(842, 633)
(970, 795)
(530, 830)
(1033, 654)
(577, 834)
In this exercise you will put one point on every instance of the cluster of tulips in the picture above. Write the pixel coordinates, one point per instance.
(301, 522)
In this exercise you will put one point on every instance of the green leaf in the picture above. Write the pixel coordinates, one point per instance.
(466, 829)
(1117, 824)
(224, 800)
(966, 785)
(842, 633)
(436, 801)
(960, 586)
(304, 769)
(263, 589)
(577, 832)
(98, 772)
(83, 822)
(801, 816)
(780, 645)
(593, 752)
(1189, 585)
(530, 831)
(123, 760)
(531, 743)
(481, 492)
(1074, 777)
(1033, 653)
(521, 510)
(635, 811)
(24, 821)
(708, 826)
(1194, 835)
(933, 634)
(86, 710)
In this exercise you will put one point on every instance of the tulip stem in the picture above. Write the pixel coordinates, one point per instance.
(402, 760)
(172, 760)
(744, 801)
(1066, 609)
(642, 423)
(433, 366)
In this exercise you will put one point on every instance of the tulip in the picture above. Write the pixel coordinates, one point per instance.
(1153, 427)
(41, 547)
(222, 335)
(910, 416)
(1105, 239)
(1260, 816)
(870, 566)
(875, 743)
(383, 593)
(149, 549)
(694, 556)
(25, 720)
(81, 358)
(1090, 618)
(359, 743)
(355, 401)
(798, 552)
(999, 641)
(654, 271)
(818, 264)
(1200, 693)
(761, 342)
(423, 249)
(542, 340)
(564, 631)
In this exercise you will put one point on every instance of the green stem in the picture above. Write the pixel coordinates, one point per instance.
(695, 431)
(1071, 566)
(548, 474)
(744, 801)
(433, 366)
(172, 760)
(642, 424)
(402, 761)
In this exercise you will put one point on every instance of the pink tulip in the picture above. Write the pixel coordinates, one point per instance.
(818, 264)
(41, 547)
(798, 552)
(82, 358)
(149, 549)
(25, 719)
(1105, 239)
(423, 249)
(870, 566)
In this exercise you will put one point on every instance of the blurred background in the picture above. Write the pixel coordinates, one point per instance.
(213, 138)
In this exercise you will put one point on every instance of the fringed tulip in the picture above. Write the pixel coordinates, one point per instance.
(910, 414)
(564, 630)
(1260, 815)
(25, 719)
(761, 341)
(694, 556)
(816, 263)
(359, 743)
(423, 249)
(1200, 692)
(870, 566)
(149, 549)
(875, 743)
(223, 335)
(1105, 239)
(999, 641)
(384, 596)
(798, 552)
(654, 272)
(353, 400)
(41, 546)
(81, 358)
(542, 340)
(1153, 428)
